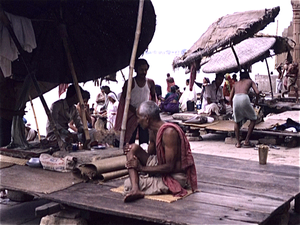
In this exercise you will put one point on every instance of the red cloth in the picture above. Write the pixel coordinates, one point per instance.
(193, 76)
(62, 88)
(187, 161)
(131, 120)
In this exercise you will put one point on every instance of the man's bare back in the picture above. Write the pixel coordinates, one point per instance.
(171, 143)
(243, 86)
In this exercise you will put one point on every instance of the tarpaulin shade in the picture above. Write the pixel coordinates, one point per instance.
(100, 34)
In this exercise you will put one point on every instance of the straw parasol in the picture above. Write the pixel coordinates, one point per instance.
(248, 52)
(226, 31)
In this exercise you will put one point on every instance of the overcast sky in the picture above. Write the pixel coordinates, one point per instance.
(181, 22)
(179, 25)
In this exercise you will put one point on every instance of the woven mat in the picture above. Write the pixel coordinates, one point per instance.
(204, 125)
(222, 125)
(35, 180)
(12, 160)
(264, 125)
(5, 164)
(169, 198)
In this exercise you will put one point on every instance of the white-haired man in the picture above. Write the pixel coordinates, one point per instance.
(168, 162)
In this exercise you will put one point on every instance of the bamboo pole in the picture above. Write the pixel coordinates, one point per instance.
(236, 57)
(6, 22)
(63, 33)
(36, 122)
(131, 66)
(269, 75)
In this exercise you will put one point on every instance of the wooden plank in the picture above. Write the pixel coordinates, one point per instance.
(260, 183)
(246, 166)
(233, 191)
(101, 199)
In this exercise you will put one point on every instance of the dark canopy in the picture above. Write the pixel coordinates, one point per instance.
(100, 34)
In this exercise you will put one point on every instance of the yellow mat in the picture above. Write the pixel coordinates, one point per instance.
(13, 160)
(169, 198)
(5, 164)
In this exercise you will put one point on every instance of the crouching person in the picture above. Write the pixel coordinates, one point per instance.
(167, 166)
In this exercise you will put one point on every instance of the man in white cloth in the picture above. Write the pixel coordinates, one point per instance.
(112, 109)
(213, 99)
(187, 95)
(242, 108)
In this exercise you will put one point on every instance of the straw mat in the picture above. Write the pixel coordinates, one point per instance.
(169, 198)
(5, 164)
(35, 180)
(12, 160)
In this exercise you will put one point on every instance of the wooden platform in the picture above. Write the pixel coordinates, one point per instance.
(232, 191)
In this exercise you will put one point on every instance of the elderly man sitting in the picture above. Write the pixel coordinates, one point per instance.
(167, 166)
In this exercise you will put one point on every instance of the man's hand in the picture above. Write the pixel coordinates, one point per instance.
(127, 147)
(134, 163)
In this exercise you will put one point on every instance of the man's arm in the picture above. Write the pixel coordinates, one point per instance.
(55, 109)
(231, 95)
(151, 146)
(171, 147)
(77, 120)
(152, 89)
(254, 86)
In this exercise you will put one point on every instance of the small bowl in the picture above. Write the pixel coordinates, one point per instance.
(34, 162)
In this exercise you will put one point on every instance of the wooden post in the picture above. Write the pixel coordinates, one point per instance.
(236, 57)
(297, 203)
(269, 75)
(6, 22)
(131, 66)
(36, 122)
(63, 33)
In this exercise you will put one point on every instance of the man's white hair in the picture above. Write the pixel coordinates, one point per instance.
(149, 108)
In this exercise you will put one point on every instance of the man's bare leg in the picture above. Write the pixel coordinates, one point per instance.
(250, 130)
(297, 95)
(135, 192)
(237, 135)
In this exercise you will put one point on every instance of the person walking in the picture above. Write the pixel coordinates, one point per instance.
(242, 108)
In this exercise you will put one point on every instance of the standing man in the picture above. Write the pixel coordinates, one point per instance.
(142, 90)
(170, 82)
(106, 90)
(168, 164)
(242, 108)
(292, 76)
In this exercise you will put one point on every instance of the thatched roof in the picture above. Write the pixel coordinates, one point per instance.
(248, 52)
(228, 29)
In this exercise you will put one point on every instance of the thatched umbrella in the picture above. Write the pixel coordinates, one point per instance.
(246, 53)
(227, 31)
(249, 51)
